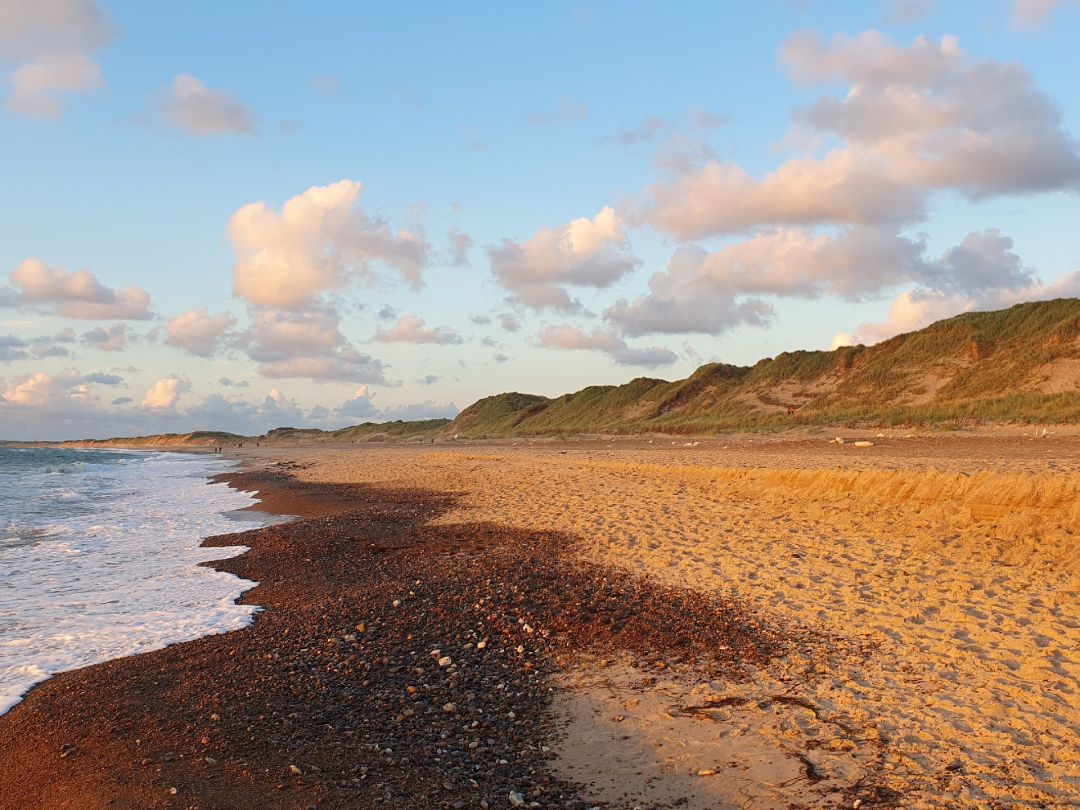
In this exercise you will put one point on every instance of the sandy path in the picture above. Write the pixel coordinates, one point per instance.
(955, 560)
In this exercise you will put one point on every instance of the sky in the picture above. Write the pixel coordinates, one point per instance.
(246, 215)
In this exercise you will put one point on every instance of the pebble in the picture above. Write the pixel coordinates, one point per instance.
(295, 769)
(445, 661)
(516, 799)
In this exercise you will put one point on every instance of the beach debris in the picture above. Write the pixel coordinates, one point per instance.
(864, 443)
(706, 772)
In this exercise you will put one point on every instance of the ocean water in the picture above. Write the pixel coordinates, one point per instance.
(98, 558)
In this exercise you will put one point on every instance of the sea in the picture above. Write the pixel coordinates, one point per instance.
(99, 553)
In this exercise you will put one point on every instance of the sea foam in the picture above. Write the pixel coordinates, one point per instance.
(99, 554)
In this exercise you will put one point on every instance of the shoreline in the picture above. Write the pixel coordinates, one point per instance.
(333, 697)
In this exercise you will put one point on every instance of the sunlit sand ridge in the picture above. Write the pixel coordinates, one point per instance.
(945, 586)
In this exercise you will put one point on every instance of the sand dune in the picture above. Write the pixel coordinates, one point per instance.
(929, 585)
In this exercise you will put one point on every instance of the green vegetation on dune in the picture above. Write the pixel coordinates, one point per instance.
(1018, 364)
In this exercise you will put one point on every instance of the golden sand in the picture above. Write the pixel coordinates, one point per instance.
(953, 561)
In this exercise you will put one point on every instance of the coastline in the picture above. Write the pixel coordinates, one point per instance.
(301, 708)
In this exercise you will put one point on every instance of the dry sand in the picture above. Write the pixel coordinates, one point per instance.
(953, 561)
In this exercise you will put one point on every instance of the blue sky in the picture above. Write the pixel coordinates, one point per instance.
(745, 180)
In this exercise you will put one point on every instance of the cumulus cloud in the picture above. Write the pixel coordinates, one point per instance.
(941, 118)
(198, 332)
(913, 120)
(163, 395)
(583, 253)
(197, 110)
(113, 339)
(684, 298)
(310, 344)
(607, 341)
(707, 292)
(319, 241)
(413, 329)
(77, 294)
(844, 187)
(49, 43)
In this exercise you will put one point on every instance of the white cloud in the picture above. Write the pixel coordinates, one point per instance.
(165, 393)
(413, 329)
(309, 344)
(49, 42)
(320, 241)
(583, 253)
(197, 110)
(845, 186)
(913, 120)
(707, 292)
(684, 298)
(198, 332)
(113, 339)
(77, 294)
(607, 341)
(37, 87)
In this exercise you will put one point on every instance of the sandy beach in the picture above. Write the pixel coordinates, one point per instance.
(736, 622)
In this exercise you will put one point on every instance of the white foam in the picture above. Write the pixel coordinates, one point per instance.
(111, 569)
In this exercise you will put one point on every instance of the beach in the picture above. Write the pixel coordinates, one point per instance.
(743, 621)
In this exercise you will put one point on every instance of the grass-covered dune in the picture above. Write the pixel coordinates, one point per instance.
(1018, 364)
